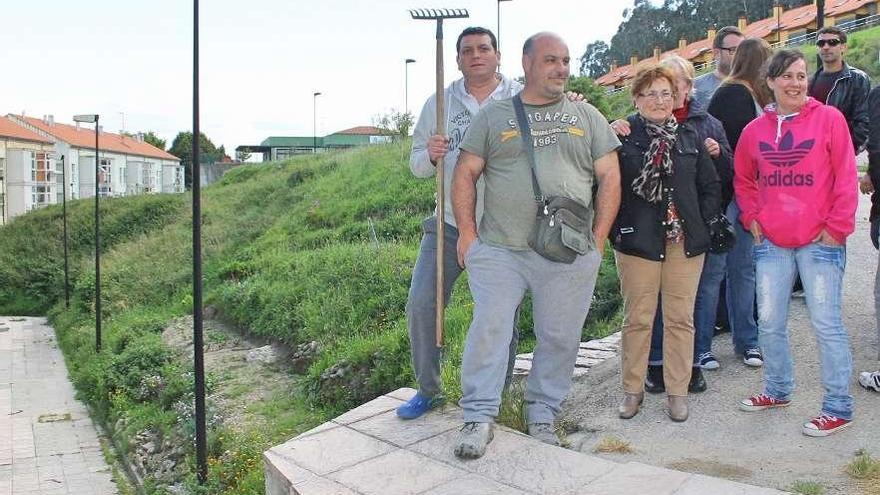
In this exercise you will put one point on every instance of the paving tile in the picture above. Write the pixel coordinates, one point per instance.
(520, 461)
(390, 428)
(284, 477)
(698, 484)
(318, 429)
(403, 394)
(376, 406)
(633, 477)
(400, 472)
(473, 484)
(331, 450)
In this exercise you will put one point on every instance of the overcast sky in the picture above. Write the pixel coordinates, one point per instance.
(261, 60)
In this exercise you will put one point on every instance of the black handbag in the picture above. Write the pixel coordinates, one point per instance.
(722, 237)
(563, 228)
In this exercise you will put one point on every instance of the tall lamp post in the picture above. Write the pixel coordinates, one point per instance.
(315, 96)
(498, 29)
(406, 83)
(64, 222)
(93, 119)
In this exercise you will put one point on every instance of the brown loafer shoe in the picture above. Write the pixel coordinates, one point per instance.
(630, 405)
(677, 408)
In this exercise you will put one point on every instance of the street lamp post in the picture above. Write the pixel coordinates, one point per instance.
(498, 28)
(89, 119)
(315, 96)
(406, 83)
(64, 223)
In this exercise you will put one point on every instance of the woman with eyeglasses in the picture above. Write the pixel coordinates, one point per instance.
(796, 183)
(739, 100)
(686, 108)
(670, 190)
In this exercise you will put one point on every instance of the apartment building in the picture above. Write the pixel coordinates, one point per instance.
(28, 175)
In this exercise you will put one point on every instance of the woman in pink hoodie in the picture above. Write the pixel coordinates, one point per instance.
(796, 183)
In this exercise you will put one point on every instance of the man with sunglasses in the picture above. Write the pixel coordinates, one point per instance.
(841, 86)
(724, 47)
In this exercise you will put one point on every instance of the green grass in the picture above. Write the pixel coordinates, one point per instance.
(289, 257)
(807, 488)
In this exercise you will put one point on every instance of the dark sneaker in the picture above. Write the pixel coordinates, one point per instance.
(760, 402)
(707, 361)
(824, 425)
(418, 405)
(698, 382)
(719, 329)
(753, 357)
(473, 439)
(869, 380)
(654, 380)
(544, 432)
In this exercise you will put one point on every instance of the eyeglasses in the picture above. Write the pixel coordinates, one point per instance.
(729, 49)
(831, 42)
(662, 96)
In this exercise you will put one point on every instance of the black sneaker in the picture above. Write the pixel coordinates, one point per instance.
(654, 381)
(698, 382)
(753, 357)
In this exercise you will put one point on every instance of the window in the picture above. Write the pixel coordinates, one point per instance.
(41, 196)
(105, 177)
(147, 178)
(40, 171)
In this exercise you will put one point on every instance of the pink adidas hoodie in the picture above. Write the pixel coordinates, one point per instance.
(797, 175)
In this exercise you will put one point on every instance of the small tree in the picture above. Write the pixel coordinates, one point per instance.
(396, 123)
(593, 93)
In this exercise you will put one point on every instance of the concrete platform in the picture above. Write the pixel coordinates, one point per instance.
(369, 451)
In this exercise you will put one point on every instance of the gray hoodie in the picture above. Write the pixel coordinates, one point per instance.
(460, 107)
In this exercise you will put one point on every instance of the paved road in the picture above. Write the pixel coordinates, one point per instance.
(765, 448)
(48, 444)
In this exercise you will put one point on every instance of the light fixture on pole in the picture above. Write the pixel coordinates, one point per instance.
(406, 84)
(315, 96)
(64, 223)
(498, 27)
(198, 337)
(93, 119)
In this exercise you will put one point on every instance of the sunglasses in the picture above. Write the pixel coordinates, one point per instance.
(834, 42)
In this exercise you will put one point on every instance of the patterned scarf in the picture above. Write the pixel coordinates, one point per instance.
(658, 160)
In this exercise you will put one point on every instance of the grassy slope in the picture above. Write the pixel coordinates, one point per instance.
(313, 249)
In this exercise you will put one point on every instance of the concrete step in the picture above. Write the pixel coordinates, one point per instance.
(369, 451)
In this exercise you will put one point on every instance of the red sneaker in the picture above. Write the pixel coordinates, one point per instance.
(760, 402)
(824, 425)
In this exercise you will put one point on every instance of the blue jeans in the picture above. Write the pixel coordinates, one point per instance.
(741, 286)
(821, 270)
(705, 310)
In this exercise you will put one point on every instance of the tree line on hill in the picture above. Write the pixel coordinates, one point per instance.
(645, 26)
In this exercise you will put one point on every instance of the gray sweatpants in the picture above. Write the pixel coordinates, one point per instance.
(561, 296)
(420, 313)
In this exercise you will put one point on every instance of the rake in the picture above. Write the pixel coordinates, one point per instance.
(439, 15)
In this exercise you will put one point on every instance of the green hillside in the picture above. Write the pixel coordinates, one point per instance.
(314, 249)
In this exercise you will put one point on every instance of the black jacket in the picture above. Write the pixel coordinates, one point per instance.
(734, 106)
(874, 150)
(639, 229)
(708, 126)
(849, 94)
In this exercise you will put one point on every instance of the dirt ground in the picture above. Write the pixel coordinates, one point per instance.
(238, 380)
(765, 448)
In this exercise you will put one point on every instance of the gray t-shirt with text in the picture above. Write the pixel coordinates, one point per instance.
(567, 137)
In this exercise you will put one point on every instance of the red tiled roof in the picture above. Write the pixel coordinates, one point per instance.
(84, 137)
(793, 19)
(364, 130)
(10, 129)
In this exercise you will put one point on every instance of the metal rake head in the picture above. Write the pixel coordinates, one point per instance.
(432, 14)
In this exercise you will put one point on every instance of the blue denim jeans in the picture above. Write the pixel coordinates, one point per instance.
(821, 270)
(705, 310)
(741, 286)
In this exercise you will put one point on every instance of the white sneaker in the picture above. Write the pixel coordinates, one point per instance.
(544, 432)
(870, 380)
(473, 439)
